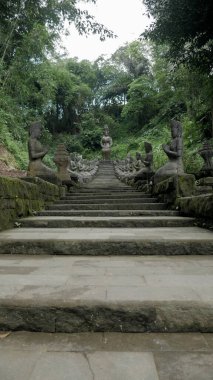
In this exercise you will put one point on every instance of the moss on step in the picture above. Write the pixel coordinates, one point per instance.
(20, 198)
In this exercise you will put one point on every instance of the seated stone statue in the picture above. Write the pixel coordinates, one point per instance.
(174, 152)
(136, 166)
(36, 167)
(125, 167)
(82, 170)
(146, 172)
(106, 143)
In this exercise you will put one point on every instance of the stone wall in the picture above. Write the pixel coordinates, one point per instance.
(23, 197)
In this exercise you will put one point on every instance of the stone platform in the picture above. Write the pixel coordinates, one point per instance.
(126, 294)
(107, 241)
(108, 356)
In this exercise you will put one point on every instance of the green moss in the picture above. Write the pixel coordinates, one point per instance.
(20, 198)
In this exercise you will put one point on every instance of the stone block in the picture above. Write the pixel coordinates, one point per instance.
(200, 206)
(171, 188)
(206, 181)
(23, 197)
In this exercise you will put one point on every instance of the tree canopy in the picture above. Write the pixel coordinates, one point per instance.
(186, 26)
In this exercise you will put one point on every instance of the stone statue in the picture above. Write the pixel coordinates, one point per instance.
(174, 151)
(106, 143)
(206, 152)
(36, 167)
(62, 161)
(146, 172)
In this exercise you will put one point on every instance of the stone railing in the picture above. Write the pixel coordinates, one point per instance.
(23, 197)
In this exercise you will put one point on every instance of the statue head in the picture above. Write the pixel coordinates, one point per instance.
(35, 130)
(176, 128)
(106, 130)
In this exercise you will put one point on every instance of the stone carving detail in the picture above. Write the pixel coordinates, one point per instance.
(106, 143)
(174, 152)
(36, 167)
(136, 172)
(206, 152)
(81, 170)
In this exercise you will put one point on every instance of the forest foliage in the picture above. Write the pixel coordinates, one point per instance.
(135, 92)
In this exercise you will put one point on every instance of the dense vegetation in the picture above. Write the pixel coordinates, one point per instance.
(136, 91)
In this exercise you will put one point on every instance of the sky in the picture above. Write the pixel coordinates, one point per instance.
(124, 17)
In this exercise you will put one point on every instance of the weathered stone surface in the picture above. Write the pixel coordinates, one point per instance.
(184, 366)
(36, 356)
(171, 188)
(199, 206)
(121, 294)
(106, 221)
(100, 241)
(20, 198)
(125, 365)
(122, 317)
(206, 181)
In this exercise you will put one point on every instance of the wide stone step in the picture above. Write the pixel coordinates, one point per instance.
(107, 241)
(106, 200)
(106, 294)
(122, 222)
(109, 206)
(104, 189)
(108, 213)
(106, 196)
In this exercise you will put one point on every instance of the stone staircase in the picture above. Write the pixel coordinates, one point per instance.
(107, 258)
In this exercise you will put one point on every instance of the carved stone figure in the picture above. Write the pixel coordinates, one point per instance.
(206, 152)
(106, 143)
(147, 171)
(62, 160)
(174, 151)
(82, 170)
(36, 167)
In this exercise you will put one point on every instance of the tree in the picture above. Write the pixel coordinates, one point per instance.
(142, 103)
(19, 17)
(132, 58)
(186, 26)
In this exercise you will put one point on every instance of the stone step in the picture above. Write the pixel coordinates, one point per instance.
(108, 213)
(106, 196)
(102, 222)
(107, 241)
(106, 294)
(109, 206)
(106, 200)
(114, 356)
(103, 194)
(107, 189)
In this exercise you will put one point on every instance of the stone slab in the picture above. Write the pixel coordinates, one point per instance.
(109, 213)
(79, 294)
(107, 241)
(106, 201)
(109, 206)
(122, 222)
(181, 366)
(111, 356)
(123, 365)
